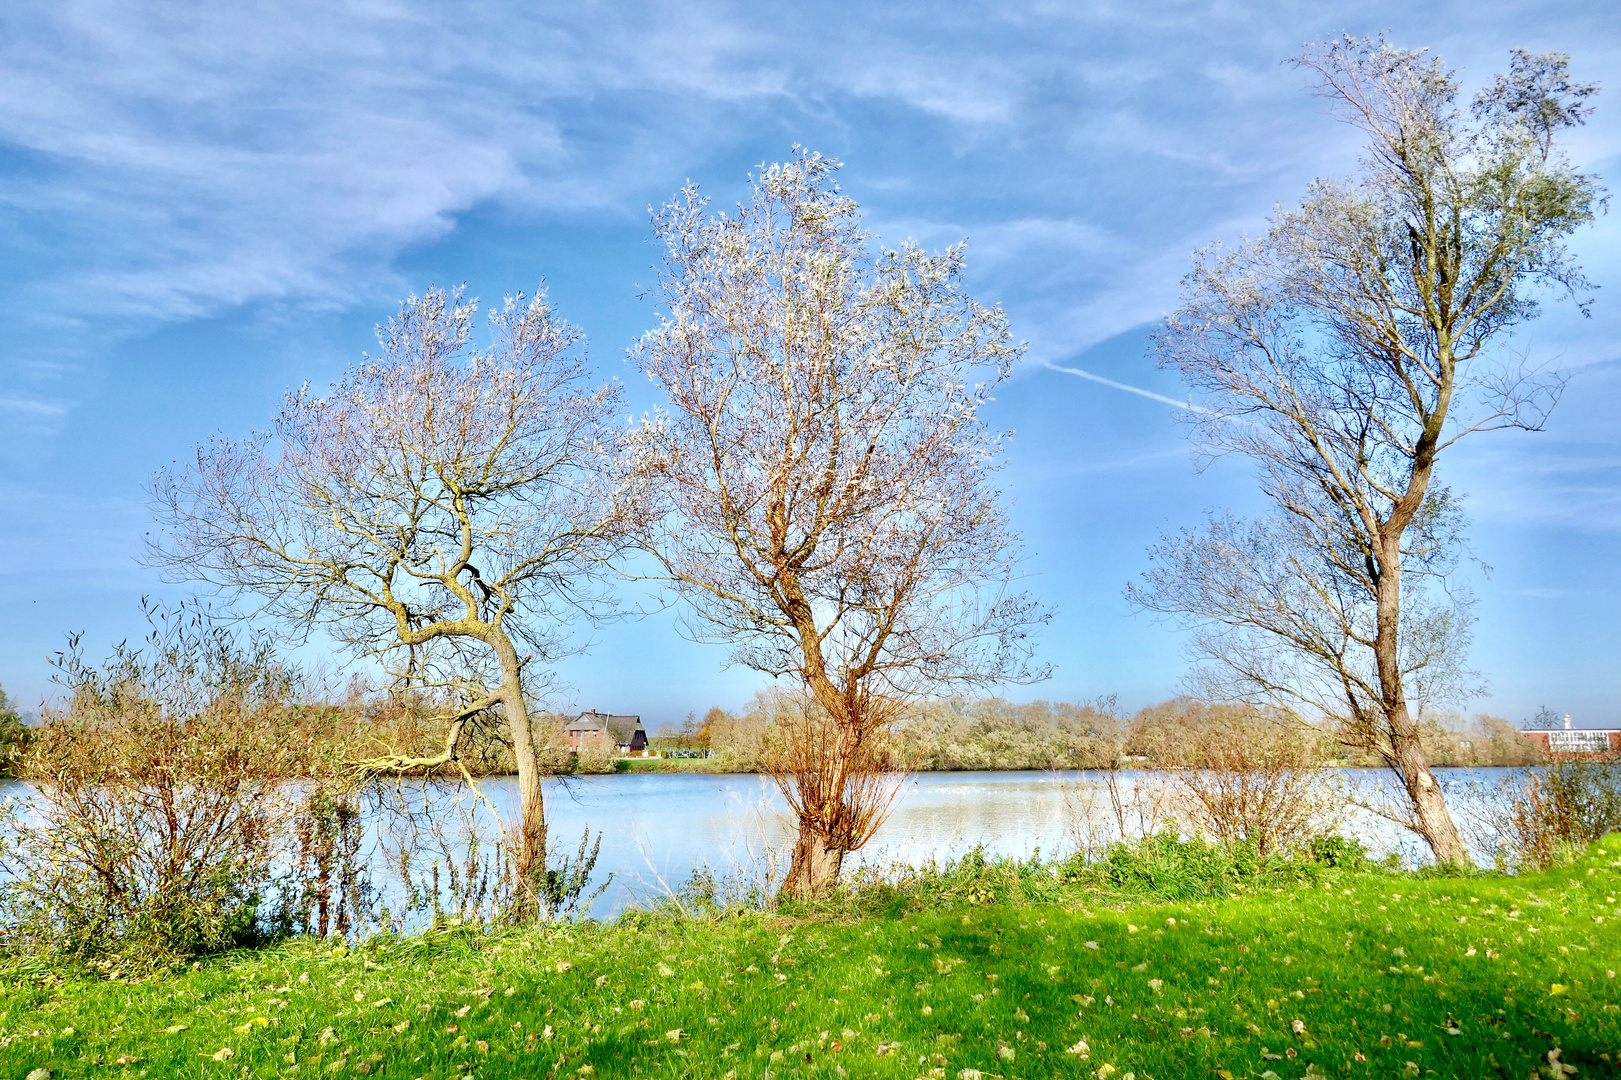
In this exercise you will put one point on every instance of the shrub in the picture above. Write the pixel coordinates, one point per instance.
(1335, 850)
(14, 734)
(1249, 775)
(159, 799)
(1553, 812)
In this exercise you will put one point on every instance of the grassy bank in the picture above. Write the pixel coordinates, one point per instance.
(669, 765)
(1364, 973)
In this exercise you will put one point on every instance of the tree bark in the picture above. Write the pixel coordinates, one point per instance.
(1406, 753)
(815, 866)
(529, 856)
(1433, 818)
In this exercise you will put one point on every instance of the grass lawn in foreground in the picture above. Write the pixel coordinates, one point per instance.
(1363, 974)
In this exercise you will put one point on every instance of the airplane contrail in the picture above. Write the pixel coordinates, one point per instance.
(1128, 388)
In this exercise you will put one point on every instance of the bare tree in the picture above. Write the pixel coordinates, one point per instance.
(1344, 351)
(823, 479)
(441, 509)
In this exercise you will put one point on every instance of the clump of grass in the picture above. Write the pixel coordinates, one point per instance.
(1163, 867)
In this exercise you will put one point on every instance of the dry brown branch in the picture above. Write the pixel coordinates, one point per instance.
(159, 796)
(1249, 776)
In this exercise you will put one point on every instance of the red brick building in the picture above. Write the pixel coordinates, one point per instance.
(1576, 742)
(624, 733)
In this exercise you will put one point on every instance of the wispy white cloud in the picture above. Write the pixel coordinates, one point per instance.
(31, 406)
(171, 161)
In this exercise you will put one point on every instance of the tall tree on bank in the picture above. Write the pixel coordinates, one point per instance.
(441, 509)
(1344, 351)
(822, 480)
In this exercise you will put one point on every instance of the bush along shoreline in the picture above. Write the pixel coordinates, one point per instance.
(1159, 960)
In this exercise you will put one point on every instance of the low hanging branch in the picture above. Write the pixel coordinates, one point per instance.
(401, 764)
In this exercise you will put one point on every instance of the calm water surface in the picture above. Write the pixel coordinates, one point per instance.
(657, 828)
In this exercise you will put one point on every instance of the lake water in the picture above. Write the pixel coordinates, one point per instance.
(657, 828)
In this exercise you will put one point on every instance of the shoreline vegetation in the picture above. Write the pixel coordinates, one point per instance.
(949, 735)
(944, 735)
(172, 906)
(995, 735)
(1157, 960)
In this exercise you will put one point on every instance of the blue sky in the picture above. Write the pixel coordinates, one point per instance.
(203, 204)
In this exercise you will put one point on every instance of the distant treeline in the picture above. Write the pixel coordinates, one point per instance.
(992, 733)
(953, 734)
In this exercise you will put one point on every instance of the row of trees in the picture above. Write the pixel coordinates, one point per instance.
(962, 734)
(819, 490)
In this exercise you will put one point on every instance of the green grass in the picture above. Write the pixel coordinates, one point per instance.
(1367, 974)
(669, 765)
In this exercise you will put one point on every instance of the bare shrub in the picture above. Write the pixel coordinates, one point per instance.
(328, 890)
(1250, 775)
(1122, 805)
(839, 779)
(159, 798)
(1549, 812)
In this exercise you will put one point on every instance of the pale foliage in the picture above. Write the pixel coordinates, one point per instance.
(438, 508)
(1343, 352)
(432, 490)
(821, 481)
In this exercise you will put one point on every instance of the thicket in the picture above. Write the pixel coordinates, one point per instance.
(193, 793)
(159, 800)
(1549, 815)
(1451, 740)
(950, 734)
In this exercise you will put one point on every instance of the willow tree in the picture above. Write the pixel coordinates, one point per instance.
(441, 509)
(821, 481)
(1345, 351)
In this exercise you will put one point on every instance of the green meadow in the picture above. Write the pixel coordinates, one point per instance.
(1340, 973)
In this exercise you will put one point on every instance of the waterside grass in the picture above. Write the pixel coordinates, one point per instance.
(1340, 973)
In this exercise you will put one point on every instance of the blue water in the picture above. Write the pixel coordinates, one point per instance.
(657, 828)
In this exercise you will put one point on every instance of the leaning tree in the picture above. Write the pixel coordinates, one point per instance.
(1345, 351)
(821, 482)
(442, 509)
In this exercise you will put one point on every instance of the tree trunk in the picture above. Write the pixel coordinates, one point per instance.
(529, 856)
(815, 866)
(1429, 805)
